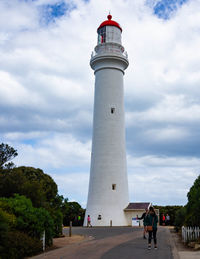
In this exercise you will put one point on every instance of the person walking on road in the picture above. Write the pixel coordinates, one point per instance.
(167, 220)
(163, 219)
(89, 221)
(152, 221)
(144, 216)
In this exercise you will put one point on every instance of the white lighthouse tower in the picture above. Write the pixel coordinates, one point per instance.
(108, 188)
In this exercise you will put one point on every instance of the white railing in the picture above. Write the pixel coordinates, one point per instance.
(190, 233)
(109, 48)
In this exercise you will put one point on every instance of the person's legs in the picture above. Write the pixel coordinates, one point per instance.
(144, 233)
(150, 237)
(154, 237)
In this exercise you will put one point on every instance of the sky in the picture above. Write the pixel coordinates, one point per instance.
(47, 91)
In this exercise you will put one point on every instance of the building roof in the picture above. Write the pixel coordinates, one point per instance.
(138, 206)
(109, 22)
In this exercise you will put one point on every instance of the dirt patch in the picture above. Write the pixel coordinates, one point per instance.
(178, 242)
(63, 241)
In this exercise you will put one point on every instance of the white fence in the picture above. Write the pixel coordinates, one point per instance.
(190, 233)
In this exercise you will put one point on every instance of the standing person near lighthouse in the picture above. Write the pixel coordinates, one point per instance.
(144, 217)
(152, 221)
(108, 187)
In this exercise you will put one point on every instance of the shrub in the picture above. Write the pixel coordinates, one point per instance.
(39, 187)
(7, 221)
(193, 205)
(18, 245)
(180, 218)
(58, 220)
(30, 220)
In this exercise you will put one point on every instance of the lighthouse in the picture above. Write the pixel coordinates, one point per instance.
(108, 186)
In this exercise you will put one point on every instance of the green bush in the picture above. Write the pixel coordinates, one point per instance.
(58, 221)
(37, 186)
(7, 221)
(180, 218)
(30, 220)
(31, 182)
(18, 245)
(71, 211)
(193, 206)
(170, 210)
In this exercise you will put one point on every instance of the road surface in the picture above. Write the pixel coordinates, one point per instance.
(113, 243)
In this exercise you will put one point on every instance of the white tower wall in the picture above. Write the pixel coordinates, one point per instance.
(108, 187)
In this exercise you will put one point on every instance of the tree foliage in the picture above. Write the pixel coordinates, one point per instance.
(189, 214)
(28, 181)
(18, 245)
(170, 210)
(72, 211)
(193, 205)
(30, 220)
(180, 217)
(39, 187)
(7, 222)
(7, 153)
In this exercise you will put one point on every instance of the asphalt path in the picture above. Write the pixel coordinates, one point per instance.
(101, 232)
(135, 248)
(113, 243)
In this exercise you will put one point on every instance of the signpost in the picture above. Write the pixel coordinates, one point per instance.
(135, 222)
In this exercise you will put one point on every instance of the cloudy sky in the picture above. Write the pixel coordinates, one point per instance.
(47, 91)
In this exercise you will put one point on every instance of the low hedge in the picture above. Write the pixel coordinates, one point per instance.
(18, 245)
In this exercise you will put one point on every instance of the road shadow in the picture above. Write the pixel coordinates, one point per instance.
(137, 249)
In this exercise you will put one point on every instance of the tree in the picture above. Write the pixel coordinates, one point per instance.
(7, 221)
(7, 153)
(14, 243)
(193, 205)
(39, 187)
(31, 182)
(71, 212)
(180, 218)
(170, 210)
(30, 220)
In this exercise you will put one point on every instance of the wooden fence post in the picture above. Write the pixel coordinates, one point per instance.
(70, 229)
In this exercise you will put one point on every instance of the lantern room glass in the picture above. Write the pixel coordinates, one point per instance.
(109, 34)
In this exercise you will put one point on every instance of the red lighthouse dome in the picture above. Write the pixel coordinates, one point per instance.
(109, 22)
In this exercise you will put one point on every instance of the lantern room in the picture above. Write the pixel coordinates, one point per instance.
(109, 31)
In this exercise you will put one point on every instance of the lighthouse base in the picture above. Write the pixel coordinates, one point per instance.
(106, 218)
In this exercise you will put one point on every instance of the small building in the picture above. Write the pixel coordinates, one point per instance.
(136, 209)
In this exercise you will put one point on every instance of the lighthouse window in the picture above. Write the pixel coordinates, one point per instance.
(102, 35)
(113, 186)
(112, 110)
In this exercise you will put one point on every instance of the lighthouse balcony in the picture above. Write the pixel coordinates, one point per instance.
(114, 49)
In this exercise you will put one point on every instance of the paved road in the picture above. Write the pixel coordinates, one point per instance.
(102, 232)
(113, 243)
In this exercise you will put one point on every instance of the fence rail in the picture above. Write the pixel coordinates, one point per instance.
(190, 233)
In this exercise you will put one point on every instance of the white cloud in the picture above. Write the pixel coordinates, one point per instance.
(74, 186)
(17, 15)
(173, 117)
(15, 94)
(54, 151)
(162, 180)
(149, 161)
